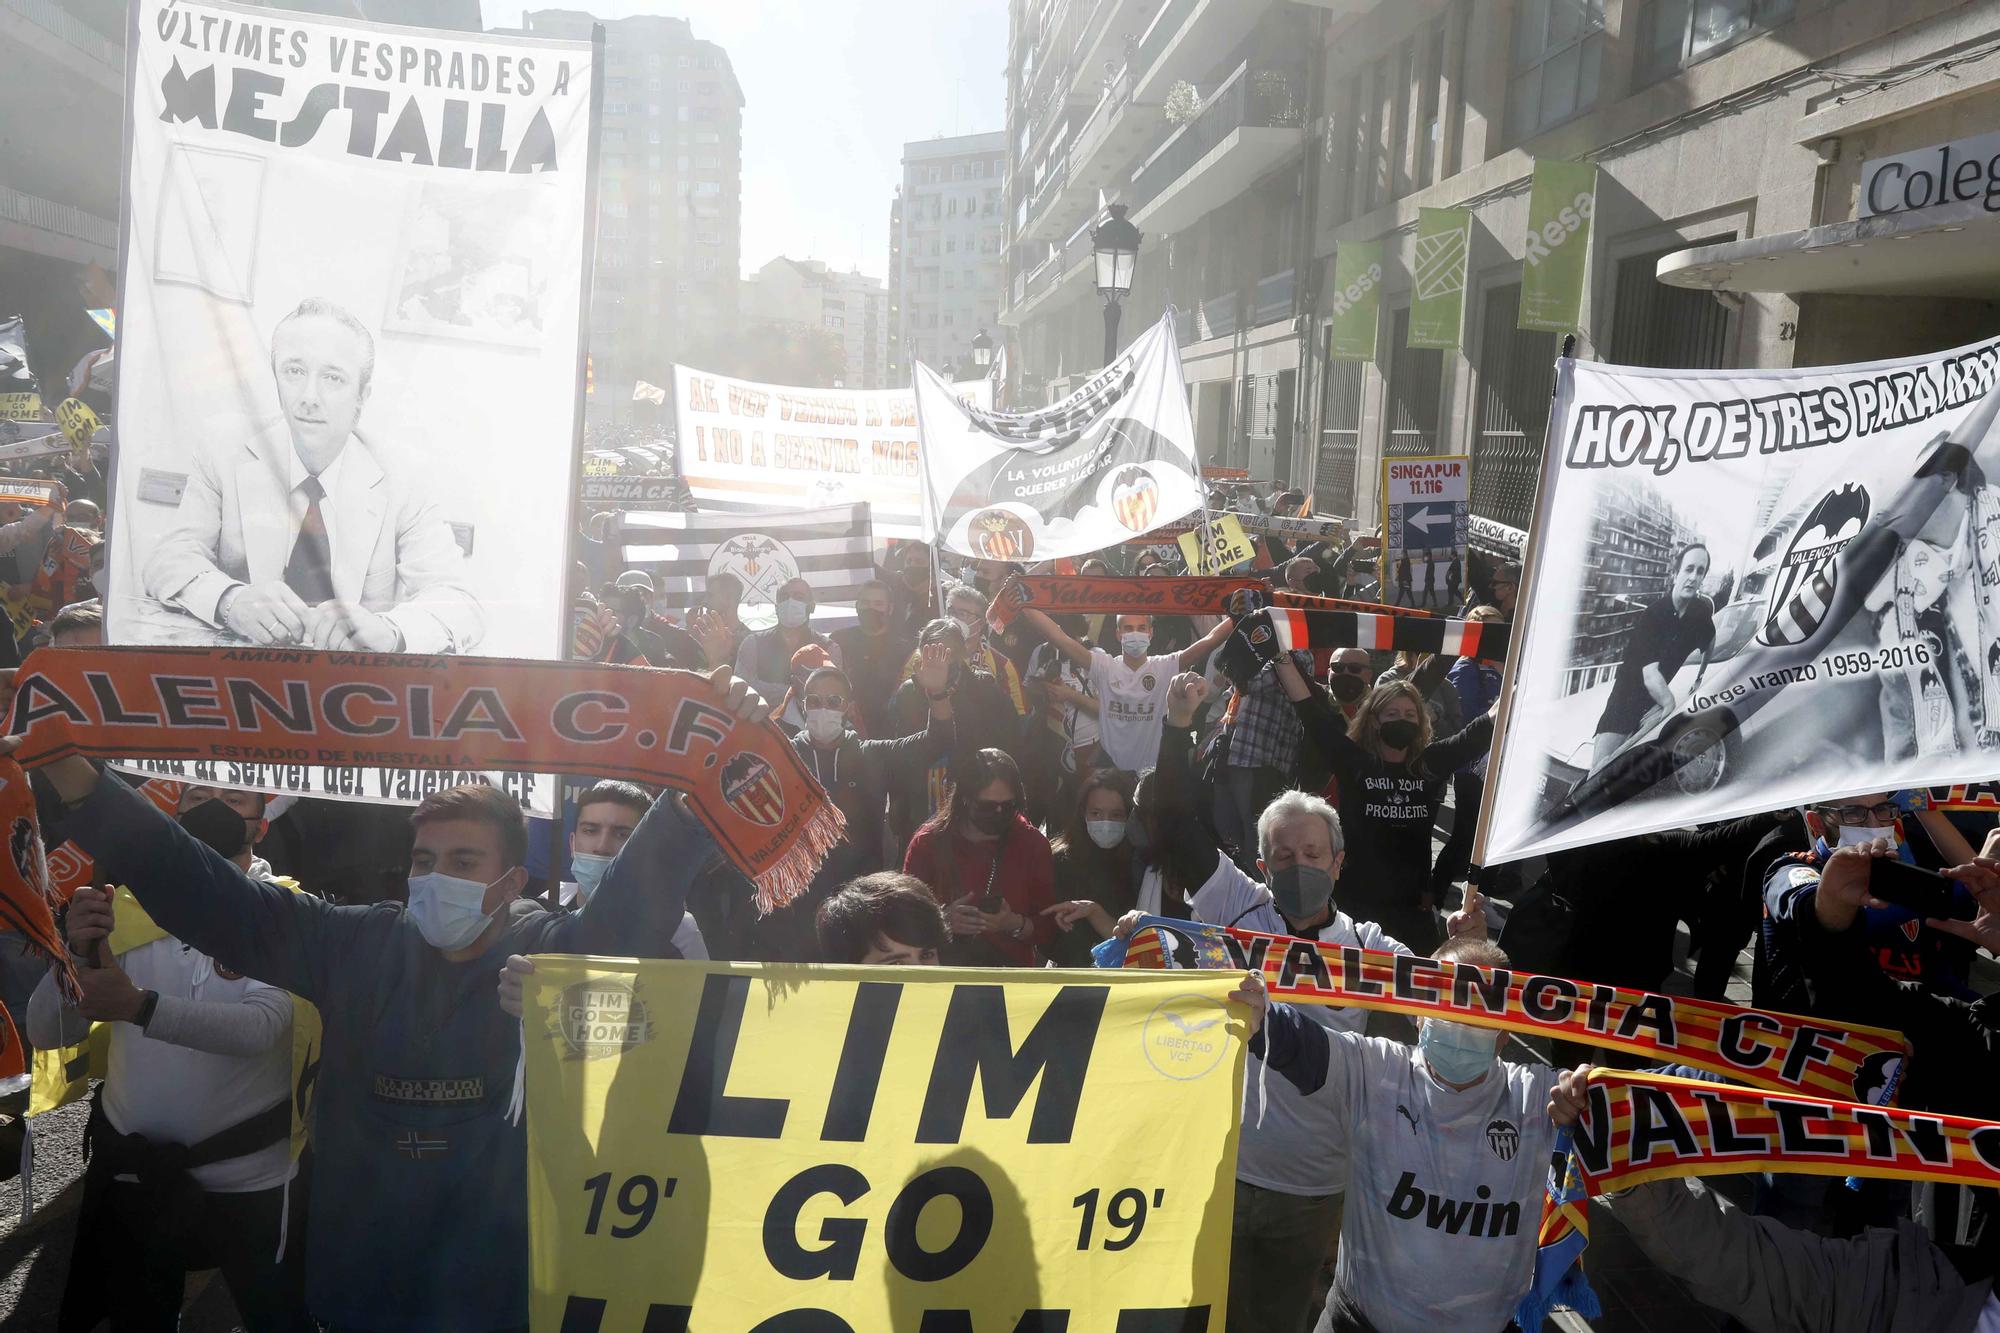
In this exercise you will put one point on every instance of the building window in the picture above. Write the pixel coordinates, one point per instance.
(1339, 438)
(1556, 48)
(1414, 375)
(1513, 410)
(1653, 324)
(1674, 34)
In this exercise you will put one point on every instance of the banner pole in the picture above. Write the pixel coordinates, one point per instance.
(1524, 597)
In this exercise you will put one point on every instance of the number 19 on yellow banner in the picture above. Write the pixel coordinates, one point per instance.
(729, 1148)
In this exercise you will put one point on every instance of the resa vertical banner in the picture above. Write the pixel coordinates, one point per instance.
(1437, 277)
(354, 278)
(1357, 299)
(847, 1150)
(1557, 262)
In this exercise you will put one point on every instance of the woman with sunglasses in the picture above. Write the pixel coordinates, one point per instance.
(990, 867)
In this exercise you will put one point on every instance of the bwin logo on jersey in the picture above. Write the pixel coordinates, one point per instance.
(1802, 585)
(1469, 1217)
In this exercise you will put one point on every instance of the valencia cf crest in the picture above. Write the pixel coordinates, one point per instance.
(1000, 535)
(751, 787)
(1504, 1138)
(1135, 498)
(1802, 585)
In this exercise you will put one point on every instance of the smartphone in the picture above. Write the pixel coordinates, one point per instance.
(992, 903)
(1924, 892)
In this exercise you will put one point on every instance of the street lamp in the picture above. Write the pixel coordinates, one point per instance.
(951, 371)
(982, 350)
(1115, 242)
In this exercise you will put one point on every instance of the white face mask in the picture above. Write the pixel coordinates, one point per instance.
(972, 626)
(448, 910)
(825, 725)
(792, 613)
(1135, 645)
(1106, 833)
(1867, 833)
(589, 868)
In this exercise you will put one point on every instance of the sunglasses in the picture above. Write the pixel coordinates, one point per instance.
(1349, 668)
(1001, 809)
(1860, 814)
(825, 701)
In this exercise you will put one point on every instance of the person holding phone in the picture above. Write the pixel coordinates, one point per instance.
(1896, 922)
(990, 868)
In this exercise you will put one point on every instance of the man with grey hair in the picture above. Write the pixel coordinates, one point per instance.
(1291, 1162)
(304, 533)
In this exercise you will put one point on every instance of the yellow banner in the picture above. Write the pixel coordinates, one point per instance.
(1220, 544)
(716, 1145)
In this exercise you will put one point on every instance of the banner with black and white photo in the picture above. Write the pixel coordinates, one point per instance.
(832, 549)
(746, 447)
(1110, 462)
(1750, 589)
(354, 277)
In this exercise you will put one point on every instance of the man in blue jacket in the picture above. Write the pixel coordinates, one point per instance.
(418, 1217)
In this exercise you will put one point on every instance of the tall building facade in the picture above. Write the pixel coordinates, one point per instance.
(947, 235)
(851, 310)
(1762, 200)
(670, 201)
(1195, 115)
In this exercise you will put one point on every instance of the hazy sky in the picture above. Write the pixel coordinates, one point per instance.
(832, 89)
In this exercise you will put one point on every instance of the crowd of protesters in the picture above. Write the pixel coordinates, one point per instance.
(1015, 790)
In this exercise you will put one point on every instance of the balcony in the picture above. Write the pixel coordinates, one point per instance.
(58, 230)
(1248, 126)
(1185, 40)
(75, 35)
(1273, 300)
(1041, 221)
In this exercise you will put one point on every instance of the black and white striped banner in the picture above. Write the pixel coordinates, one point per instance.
(833, 549)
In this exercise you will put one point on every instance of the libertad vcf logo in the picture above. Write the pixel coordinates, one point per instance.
(1803, 583)
(751, 787)
(1504, 1138)
(761, 561)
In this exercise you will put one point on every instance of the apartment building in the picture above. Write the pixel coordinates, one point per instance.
(670, 201)
(945, 246)
(850, 308)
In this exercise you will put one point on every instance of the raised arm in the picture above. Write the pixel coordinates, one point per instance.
(1197, 652)
(1054, 634)
(262, 930)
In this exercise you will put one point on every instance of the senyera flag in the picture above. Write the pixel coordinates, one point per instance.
(1750, 589)
(216, 708)
(1112, 461)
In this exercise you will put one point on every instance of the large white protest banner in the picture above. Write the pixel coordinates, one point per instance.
(1113, 460)
(1749, 589)
(352, 309)
(746, 447)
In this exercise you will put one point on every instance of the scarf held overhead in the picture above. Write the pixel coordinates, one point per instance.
(1385, 632)
(1780, 1052)
(1087, 593)
(745, 783)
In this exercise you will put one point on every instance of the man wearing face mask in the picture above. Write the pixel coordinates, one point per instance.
(1349, 674)
(1903, 943)
(1448, 1156)
(857, 774)
(1131, 688)
(1291, 1165)
(765, 660)
(191, 1165)
(606, 815)
(982, 719)
(419, 1211)
(967, 606)
(873, 654)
